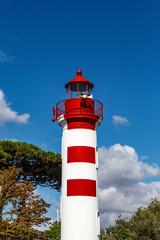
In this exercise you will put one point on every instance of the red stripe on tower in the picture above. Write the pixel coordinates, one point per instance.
(81, 154)
(81, 187)
(78, 123)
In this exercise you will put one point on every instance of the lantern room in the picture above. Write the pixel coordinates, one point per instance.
(79, 101)
(79, 87)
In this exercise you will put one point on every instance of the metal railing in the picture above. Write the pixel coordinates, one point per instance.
(79, 106)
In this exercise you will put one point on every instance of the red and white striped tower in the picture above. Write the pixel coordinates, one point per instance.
(79, 116)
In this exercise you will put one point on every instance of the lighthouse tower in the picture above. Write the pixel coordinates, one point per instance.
(79, 116)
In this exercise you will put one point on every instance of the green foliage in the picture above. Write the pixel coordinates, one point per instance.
(120, 232)
(54, 232)
(146, 221)
(41, 167)
(104, 236)
(143, 225)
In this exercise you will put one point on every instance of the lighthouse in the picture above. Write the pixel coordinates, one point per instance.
(79, 115)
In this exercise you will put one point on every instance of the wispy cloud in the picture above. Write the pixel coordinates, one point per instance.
(12, 139)
(8, 115)
(4, 57)
(119, 120)
(43, 146)
(144, 157)
(56, 140)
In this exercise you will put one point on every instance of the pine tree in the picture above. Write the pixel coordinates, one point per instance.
(41, 167)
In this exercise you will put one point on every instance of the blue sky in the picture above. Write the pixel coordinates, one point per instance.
(117, 46)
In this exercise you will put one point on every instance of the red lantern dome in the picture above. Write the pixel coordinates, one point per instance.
(79, 87)
(79, 79)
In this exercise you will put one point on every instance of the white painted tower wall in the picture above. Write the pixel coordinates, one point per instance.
(79, 214)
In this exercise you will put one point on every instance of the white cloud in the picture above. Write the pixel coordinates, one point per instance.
(121, 186)
(44, 226)
(36, 192)
(144, 157)
(118, 120)
(109, 218)
(43, 146)
(8, 115)
(4, 57)
(12, 139)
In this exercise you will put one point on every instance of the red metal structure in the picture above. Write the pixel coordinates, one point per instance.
(79, 101)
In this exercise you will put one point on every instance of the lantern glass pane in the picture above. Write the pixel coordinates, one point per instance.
(67, 93)
(89, 89)
(82, 87)
(73, 90)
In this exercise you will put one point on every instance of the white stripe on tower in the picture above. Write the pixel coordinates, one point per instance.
(79, 185)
